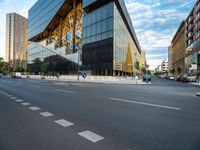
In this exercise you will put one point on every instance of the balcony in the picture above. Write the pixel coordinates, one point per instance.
(190, 20)
(198, 27)
(190, 34)
(198, 17)
(198, 7)
(190, 28)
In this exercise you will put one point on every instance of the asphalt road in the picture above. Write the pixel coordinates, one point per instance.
(50, 115)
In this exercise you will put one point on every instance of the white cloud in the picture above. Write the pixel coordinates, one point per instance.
(155, 24)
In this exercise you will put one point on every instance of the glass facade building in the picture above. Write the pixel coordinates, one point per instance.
(41, 14)
(96, 35)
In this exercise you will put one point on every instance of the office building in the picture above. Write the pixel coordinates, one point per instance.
(170, 58)
(178, 49)
(192, 63)
(16, 40)
(96, 36)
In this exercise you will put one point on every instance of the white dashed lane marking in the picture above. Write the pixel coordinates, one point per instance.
(91, 136)
(25, 104)
(35, 86)
(65, 91)
(46, 114)
(13, 97)
(9, 95)
(34, 108)
(18, 100)
(64, 123)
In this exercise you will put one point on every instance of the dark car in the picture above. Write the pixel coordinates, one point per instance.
(147, 77)
(180, 78)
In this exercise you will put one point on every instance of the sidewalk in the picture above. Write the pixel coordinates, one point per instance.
(195, 83)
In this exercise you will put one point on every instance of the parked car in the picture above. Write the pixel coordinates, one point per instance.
(16, 75)
(189, 78)
(147, 77)
(171, 78)
(180, 78)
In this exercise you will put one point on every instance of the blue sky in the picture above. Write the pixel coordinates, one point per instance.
(155, 22)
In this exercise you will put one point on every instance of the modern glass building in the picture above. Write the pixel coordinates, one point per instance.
(96, 35)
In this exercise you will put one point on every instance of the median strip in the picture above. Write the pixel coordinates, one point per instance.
(142, 103)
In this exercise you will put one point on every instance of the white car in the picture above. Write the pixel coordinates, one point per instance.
(171, 78)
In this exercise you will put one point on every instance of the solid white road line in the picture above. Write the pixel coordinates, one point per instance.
(25, 104)
(91, 136)
(34, 108)
(64, 123)
(35, 86)
(18, 100)
(46, 114)
(142, 103)
(58, 90)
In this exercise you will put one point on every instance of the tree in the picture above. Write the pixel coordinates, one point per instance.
(157, 73)
(43, 68)
(35, 67)
(7, 68)
(144, 70)
(1, 64)
(149, 72)
(138, 67)
(179, 70)
(19, 69)
(172, 71)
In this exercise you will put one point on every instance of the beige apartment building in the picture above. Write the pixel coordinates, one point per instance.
(16, 40)
(143, 59)
(178, 48)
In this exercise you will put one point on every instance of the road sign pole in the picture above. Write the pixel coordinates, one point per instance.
(78, 70)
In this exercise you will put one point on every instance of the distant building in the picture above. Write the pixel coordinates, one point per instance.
(164, 66)
(169, 58)
(16, 39)
(158, 69)
(143, 59)
(178, 49)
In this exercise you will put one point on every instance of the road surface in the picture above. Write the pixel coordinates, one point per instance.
(51, 115)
